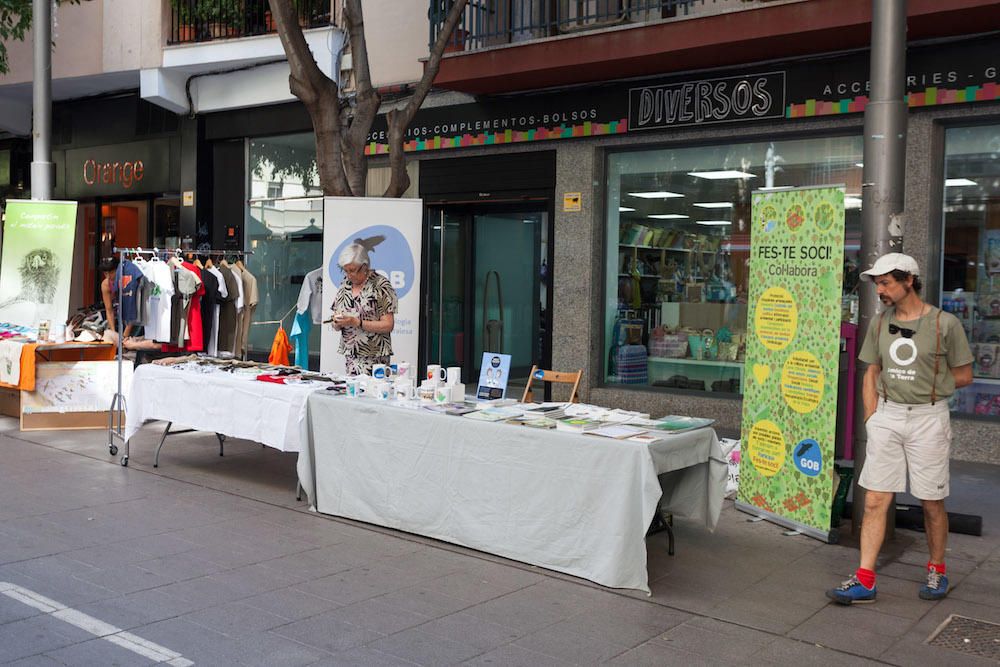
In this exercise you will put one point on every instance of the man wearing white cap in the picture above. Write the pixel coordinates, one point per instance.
(917, 357)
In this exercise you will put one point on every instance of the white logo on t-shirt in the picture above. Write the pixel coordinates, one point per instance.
(900, 343)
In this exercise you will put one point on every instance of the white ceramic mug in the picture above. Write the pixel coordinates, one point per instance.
(403, 389)
(403, 370)
(454, 375)
(442, 394)
(383, 390)
(380, 371)
(436, 373)
(354, 387)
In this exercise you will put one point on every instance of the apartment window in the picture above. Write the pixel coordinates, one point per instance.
(678, 247)
(970, 270)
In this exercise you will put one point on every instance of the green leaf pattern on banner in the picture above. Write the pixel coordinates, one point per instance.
(793, 353)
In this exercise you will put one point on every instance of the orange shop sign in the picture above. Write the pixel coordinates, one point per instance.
(126, 173)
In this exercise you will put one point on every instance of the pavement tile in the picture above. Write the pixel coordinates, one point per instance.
(424, 601)
(266, 649)
(784, 651)
(657, 655)
(327, 633)
(718, 639)
(378, 616)
(853, 629)
(472, 630)
(236, 619)
(99, 652)
(360, 583)
(292, 604)
(573, 647)
(424, 648)
(36, 661)
(516, 656)
(195, 642)
(625, 627)
(530, 608)
(36, 635)
(363, 657)
(140, 608)
(478, 585)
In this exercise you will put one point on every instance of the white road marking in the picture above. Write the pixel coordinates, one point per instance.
(94, 626)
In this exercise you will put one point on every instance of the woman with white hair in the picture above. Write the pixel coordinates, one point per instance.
(363, 312)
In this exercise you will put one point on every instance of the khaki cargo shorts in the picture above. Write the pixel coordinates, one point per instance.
(908, 438)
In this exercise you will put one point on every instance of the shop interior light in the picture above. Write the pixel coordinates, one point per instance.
(625, 209)
(668, 216)
(714, 223)
(717, 175)
(859, 164)
(852, 202)
(714, 204)
(658, 194)
(951, 182)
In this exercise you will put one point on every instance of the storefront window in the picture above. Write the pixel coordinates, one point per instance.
(678, 244)
(970, 271)
(285, 233)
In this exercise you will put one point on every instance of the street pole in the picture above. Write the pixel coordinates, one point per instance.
(42, 169)
(881, 191)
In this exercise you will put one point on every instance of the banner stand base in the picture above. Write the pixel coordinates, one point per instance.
(831, 536)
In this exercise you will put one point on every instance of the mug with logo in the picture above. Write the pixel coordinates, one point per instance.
(355, 387)
(403, 389)
(436, 373)
(403, 370)
(454, 375)
(380, 371)
(442, 394)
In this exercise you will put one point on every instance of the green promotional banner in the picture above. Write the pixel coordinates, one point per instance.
(36, 264)
(792, 361)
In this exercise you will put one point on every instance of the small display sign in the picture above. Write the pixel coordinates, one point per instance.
(493, 376)
(572, 201)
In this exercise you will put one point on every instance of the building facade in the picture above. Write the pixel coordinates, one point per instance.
(585, 167)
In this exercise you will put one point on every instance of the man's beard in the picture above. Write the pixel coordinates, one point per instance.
(888, 300)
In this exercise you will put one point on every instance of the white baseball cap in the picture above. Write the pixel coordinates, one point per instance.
(890, 262)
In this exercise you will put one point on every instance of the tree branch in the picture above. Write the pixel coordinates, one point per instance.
(318, 93)
(399, 119)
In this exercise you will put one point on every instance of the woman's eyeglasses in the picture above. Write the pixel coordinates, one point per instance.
(902, 331)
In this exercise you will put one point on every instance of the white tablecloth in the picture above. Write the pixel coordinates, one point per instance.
(575, 503)
(237, 407)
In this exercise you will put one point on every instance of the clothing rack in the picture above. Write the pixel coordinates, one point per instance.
(281, 321)
(116, 414)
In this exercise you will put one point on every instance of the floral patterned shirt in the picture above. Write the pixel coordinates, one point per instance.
(377, 298)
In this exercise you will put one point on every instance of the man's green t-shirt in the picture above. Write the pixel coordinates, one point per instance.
(908, 363)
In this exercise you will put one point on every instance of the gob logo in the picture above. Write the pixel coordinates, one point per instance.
(388, 252)
(808, 457)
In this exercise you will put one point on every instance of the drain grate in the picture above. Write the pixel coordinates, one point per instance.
(968, 635)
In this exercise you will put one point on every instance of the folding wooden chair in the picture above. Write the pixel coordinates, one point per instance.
(572, 378)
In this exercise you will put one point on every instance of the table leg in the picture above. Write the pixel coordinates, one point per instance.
(222, 440)
(156, 459)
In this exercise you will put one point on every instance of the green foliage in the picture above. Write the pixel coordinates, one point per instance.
(15, 19)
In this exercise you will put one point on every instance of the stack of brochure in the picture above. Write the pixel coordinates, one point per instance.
(550, 410)
(494, 414)
(578, 424)
(617, 431)
(678, 423)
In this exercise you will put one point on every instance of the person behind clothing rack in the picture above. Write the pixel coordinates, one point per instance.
(364, 310)
(109, 293)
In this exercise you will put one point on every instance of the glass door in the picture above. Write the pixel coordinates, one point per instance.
(486, 288)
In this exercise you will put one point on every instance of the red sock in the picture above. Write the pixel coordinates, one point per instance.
(866, 577)
(938, 567)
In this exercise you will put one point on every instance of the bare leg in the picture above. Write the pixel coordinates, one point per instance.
(873, 526)
(936, 526)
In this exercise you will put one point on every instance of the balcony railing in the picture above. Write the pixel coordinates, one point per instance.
(487, 23)
(203, 20)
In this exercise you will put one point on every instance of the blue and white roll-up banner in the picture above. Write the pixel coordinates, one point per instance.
(396, 256)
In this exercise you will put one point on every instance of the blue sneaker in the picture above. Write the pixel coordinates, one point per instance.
(852, 591)
(936, 586)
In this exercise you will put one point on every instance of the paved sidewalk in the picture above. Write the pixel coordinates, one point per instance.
(210, 560)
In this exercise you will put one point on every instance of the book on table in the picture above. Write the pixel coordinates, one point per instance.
(616, 431)
(577, 424)
(493, 414)
(678, 423)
